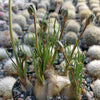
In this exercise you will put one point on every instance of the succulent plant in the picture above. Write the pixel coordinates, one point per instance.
(96, 88)
(29, 38)
(3, 16)
(96, 10)
(94, 1)
(6, 85)
(5, 2)
(15, 8)
(35, 1)
(28, 4)
(91, 36)
(84, 14)
(20, 19)
(71, 14)
(5, 38)
(73, 25)
(98, 20)
(70, 38)
(21, 4)
(94, 5)
(42, 10)
(41, 5)
(82, 1)
(51, 20)
(94, 68)
(53, 15)
(31, 28)
(57, 1)
(17, 28)
(97, 15)
(25, 14)
(46, 2)
(3, 25)
(1, 8)
(3, 54)
(68, 6)
(1, 2)
(40, 14)
(85, 7)
(9, 67)
(79, 4)
(94, 52)
(51, 25)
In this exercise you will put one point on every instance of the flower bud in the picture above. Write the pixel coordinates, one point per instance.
(43, 25)
(90, 19)
(64, 13)
(31, 10)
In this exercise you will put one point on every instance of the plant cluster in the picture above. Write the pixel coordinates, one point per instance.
(43, 56)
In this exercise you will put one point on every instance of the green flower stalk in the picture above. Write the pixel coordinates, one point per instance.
(20, 58)
(10, 25)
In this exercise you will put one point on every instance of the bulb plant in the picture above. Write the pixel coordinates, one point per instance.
(21, 58)
(48, 83)
(74, 64)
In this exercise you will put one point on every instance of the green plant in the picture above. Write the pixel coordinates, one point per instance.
(43, 57)
(6, 85)
(20, 56)
(74, 64)
(76, 75)
(44, 46)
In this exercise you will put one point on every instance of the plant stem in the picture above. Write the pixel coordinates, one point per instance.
(65, 58)
(35, 31)
(62, 29)
(54, 56)
(77, 41)
(10, 26)
(11, 33)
